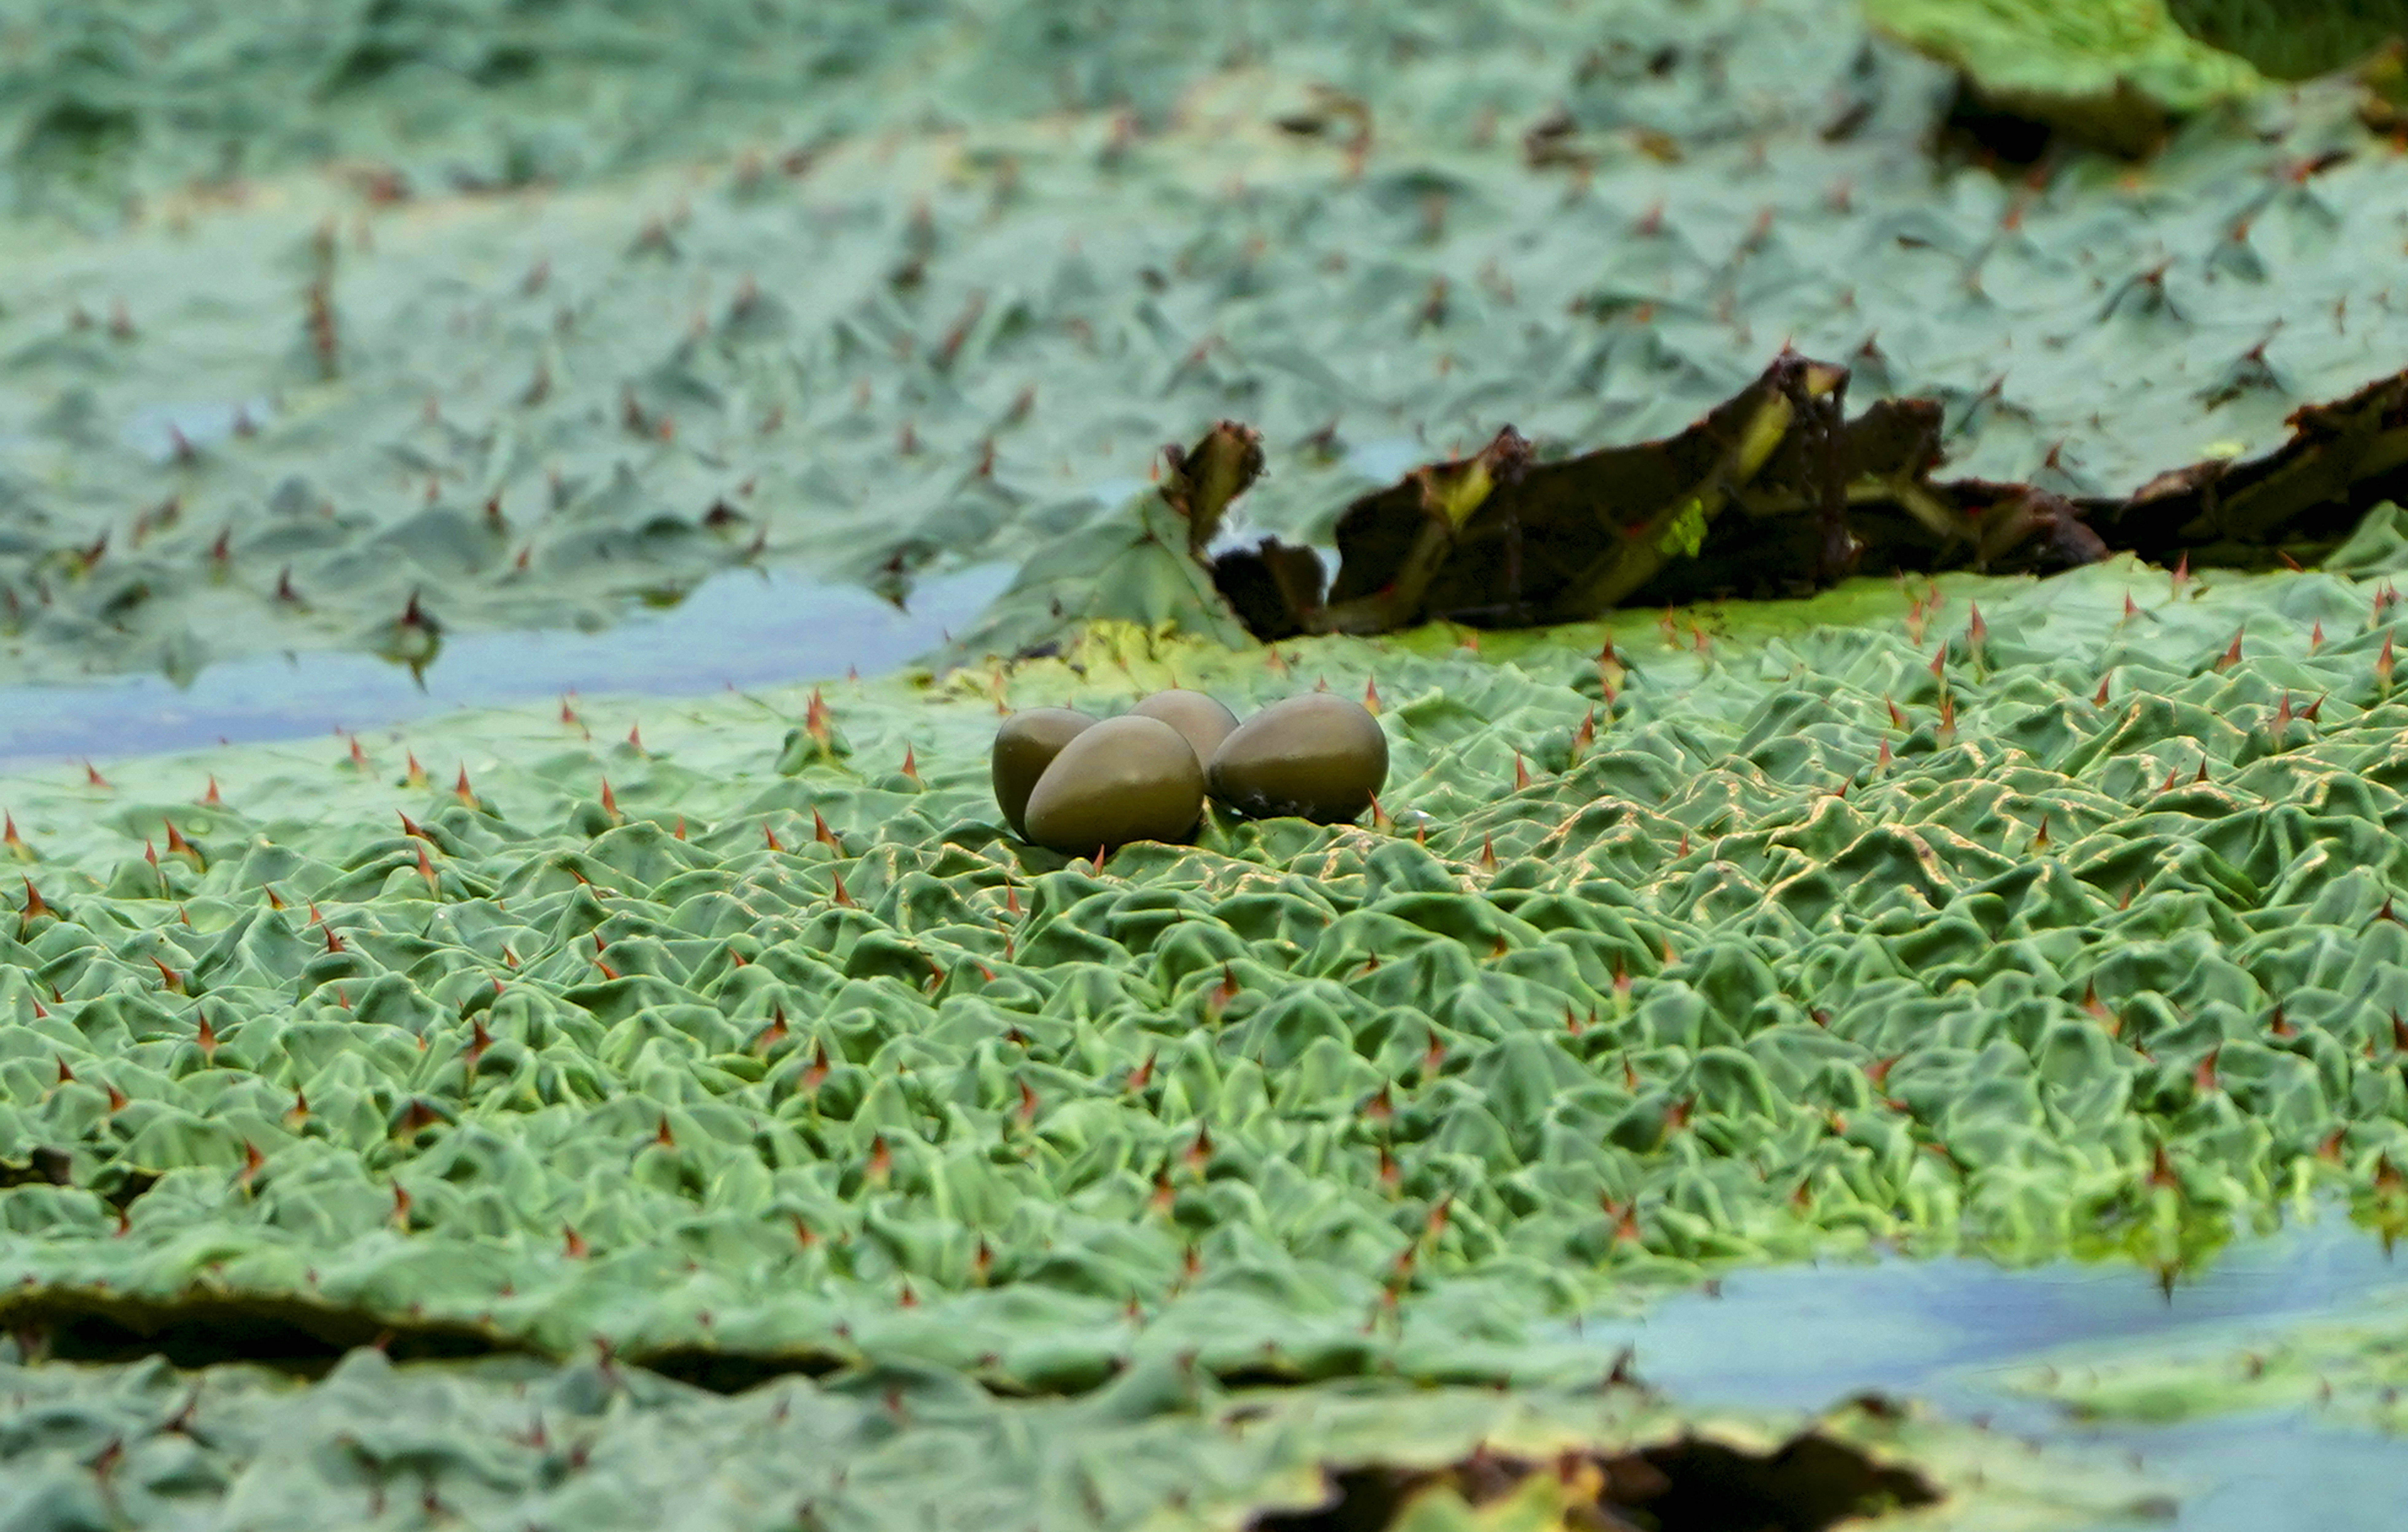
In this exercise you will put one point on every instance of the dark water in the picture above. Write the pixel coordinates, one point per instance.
(1947, 1332)
(743, 628)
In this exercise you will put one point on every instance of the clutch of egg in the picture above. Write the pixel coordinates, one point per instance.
(1078, 784)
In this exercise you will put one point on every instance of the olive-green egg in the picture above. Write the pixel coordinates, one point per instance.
(1202, 719)
(1317, 756)
(1025, 746)
(1127, 778)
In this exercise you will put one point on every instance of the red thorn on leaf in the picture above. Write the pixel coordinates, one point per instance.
(826, 837)
(1224, 992)
(2162, 1170)
(775, 1033)
(840, 896)
(1200, 1151)
(94, 779)
(2099, 1009)
(210, 799)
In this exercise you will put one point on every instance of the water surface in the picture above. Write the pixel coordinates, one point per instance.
(1950, 1332)
(742, 628)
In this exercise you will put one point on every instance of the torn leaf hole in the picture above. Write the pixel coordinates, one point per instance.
(1692, 1484)
(291, 1336)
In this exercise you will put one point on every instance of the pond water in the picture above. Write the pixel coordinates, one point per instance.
(742, 628)
(1949, 1332)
